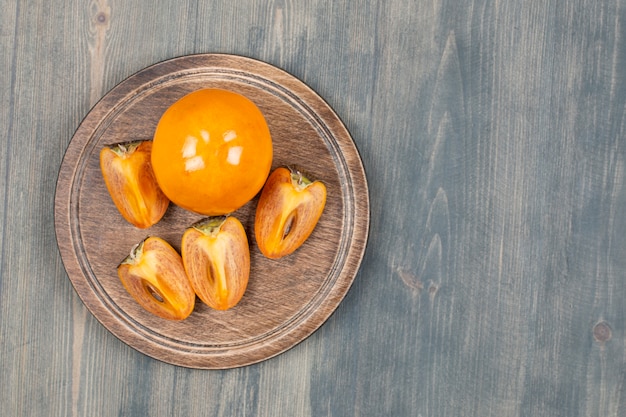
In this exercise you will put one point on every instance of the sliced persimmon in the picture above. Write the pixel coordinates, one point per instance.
(288, 210)
(154, 275)
(128, 175)
(216, 257)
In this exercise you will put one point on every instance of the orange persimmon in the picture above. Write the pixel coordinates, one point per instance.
(216, 257)
(212, 151)
(127, 173)
(154, 275)
(287, 212)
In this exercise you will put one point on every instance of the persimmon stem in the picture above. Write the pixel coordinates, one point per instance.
(298, 180)
(135, 253)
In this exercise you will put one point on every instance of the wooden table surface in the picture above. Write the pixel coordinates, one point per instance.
(493, 138)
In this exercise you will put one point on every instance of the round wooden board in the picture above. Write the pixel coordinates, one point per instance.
(287, 299)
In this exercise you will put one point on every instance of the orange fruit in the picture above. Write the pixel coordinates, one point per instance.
(130, 181)
(212, 151)
(154, 275)
(288, 210)
(216, 257)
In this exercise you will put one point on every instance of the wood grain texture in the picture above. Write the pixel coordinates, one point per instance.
(492, 135)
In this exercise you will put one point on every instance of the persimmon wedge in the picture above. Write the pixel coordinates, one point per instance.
(128, 175)
(154, 275)
(216, 257)
(288, 210)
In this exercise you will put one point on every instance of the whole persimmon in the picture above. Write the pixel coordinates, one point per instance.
(212, 151)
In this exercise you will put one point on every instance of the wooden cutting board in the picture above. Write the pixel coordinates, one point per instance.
(286, 300)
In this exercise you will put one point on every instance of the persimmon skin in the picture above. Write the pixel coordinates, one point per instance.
(287, 212)
(212, 151)
(216, 256)
(130, 181)
(153, 274)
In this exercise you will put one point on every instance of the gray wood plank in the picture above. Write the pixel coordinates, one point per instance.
(492, 134)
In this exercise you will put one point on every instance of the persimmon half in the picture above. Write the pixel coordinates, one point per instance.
(216, 257)
(212, 151)
(130, 181)
(154, 275)
(287, 212)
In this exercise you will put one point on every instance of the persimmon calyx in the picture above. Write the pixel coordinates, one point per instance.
(210, 226)
(299, 181)
(125, 149)
(135, 254)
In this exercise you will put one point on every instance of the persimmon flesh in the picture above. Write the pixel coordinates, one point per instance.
(212, 151)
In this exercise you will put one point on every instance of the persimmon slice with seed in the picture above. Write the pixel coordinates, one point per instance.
(128, 175)
(216, 257)
(287, 212)
(154, 275)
